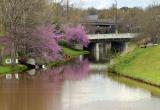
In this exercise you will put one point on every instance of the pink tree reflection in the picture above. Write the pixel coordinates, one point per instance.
(76, 71)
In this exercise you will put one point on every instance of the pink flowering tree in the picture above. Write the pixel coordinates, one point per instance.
(40, 43)
(76, 35)
(44, 44)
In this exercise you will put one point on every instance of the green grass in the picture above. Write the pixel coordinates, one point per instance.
(55, 64)
(142, 64)
(10, 69)
(73, 53)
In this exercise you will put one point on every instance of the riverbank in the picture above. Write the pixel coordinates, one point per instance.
(70, 54)
(4, 69)
(73, 52)
(141, 64)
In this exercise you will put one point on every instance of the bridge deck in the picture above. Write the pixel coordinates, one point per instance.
(111, 36)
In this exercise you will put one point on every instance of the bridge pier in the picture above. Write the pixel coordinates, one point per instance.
(126, 46)
(106, 47)
(97, 51)
(101, 50)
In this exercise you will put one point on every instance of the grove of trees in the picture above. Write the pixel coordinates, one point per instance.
(134, 20)
(32, 28)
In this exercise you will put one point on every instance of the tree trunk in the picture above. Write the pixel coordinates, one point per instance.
(1, 55)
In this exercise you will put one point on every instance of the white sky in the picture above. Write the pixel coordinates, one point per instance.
(99, 4)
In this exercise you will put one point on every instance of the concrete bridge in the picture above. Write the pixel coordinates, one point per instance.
(99, 43)
(111, 37)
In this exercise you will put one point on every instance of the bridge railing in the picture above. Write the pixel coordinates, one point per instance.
(113, 36)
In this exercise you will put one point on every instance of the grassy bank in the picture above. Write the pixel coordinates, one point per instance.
(71, 53)
(10, 69)
(141, 64)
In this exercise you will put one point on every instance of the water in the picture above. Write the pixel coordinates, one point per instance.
(81, 85)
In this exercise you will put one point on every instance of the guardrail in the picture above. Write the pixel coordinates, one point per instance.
(112, 36)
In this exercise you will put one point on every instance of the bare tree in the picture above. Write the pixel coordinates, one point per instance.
(18, 16)
(150, 25)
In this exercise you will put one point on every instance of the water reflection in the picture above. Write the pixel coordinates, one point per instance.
(32, 72)
(155, 91)
(79, 85)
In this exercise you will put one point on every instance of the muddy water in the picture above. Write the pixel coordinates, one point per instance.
(81, 85)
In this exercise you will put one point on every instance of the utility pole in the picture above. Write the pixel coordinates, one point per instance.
(116, 17)
(58, 4)
(67, 10)
(57, 8)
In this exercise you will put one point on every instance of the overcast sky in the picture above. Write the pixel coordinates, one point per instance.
(99, 4)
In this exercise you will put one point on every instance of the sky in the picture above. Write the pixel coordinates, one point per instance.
(100, 4)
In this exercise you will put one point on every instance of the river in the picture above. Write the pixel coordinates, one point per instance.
(78, 85)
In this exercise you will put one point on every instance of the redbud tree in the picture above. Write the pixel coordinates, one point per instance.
(76, 35)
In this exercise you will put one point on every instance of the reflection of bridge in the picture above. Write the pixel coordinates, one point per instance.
(100, 43)
(98, 67)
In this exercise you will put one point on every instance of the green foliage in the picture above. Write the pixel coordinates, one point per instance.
(63, 43)
(55, 64)
(73, 53)
(70, 52)
(11, 69)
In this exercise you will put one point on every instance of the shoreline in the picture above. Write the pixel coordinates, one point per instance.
(6, 69)
(133, 78)
(140, 65)
(9, 69)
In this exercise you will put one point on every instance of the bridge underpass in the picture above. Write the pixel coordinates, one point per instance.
(100, 43)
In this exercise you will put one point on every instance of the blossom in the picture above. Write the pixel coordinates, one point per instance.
(76, 35)
(46, 44)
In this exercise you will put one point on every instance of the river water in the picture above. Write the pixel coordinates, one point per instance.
(78, 85)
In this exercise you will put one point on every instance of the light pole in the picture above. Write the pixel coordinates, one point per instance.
(67, 10)
(116, 17)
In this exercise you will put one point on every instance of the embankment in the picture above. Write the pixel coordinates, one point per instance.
(141, 64)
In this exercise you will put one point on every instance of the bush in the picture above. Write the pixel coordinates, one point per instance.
(63, 43)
